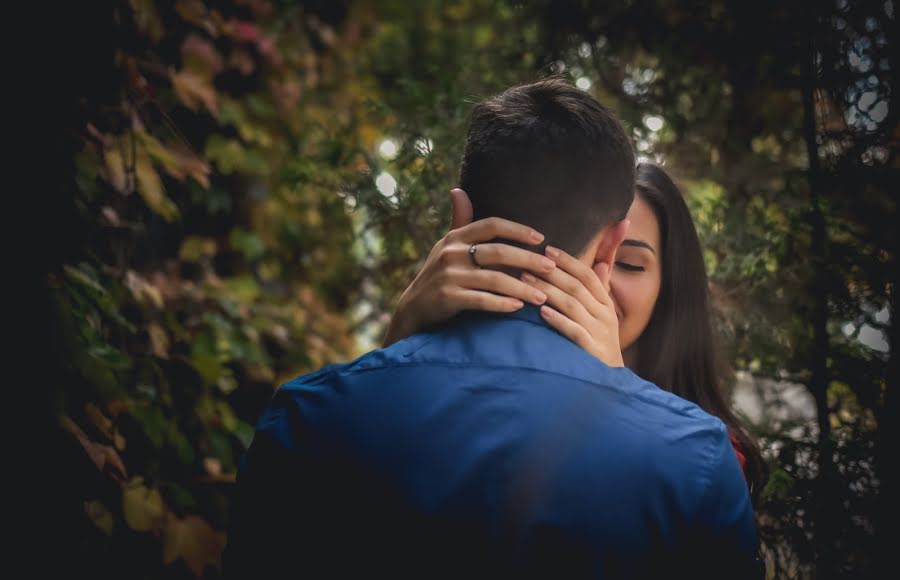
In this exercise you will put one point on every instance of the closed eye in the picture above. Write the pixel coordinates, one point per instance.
(629, 267)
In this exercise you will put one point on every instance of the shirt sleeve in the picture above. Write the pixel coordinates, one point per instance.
(255, 548)
(725, 540)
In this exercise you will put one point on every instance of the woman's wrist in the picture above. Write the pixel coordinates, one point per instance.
(400, 326)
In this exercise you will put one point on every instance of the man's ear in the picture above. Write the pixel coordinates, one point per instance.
(609, 244)
(462, 209)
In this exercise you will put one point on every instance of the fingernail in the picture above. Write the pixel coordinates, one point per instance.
(536, 237)
(552, 252)
(547, 265)
(516, 304)
(540, 297)
(526, 277)
(545, 311)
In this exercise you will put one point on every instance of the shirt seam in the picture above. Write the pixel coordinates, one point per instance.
(710, 471)
(320, 377)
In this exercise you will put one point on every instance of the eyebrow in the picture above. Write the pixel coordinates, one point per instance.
(638, 244)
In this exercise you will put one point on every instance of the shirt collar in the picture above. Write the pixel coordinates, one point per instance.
(528, 313)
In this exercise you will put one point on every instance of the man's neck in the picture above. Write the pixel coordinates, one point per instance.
(629, 356)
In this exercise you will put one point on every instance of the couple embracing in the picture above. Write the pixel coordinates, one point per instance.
(546, 403)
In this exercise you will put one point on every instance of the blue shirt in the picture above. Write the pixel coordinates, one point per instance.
(490, 447)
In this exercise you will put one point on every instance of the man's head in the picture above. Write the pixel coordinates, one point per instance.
(550, 156)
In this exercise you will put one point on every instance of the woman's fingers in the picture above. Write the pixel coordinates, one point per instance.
(504, 255)
(602, 271)
(490, 228)
(605, 349)
(578, 275)
(567, 287)
(486, 301)
(496, 283)
(563, 302)
(567, 327)
(461, 207)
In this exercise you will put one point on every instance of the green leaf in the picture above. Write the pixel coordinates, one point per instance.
(152, 423)
(209, 368)
(247, 243)
(196, 248)
(244, 433)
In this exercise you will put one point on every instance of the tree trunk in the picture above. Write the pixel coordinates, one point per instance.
(826, 500)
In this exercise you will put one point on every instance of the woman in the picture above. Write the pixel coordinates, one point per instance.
(650, 313)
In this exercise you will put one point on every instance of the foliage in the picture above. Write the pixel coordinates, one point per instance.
(254, 183)
(211, 268)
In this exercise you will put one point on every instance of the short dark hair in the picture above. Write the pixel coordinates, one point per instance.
(550, 156)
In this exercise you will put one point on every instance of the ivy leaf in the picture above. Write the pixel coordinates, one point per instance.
(143, 507)
(115, 170)
(194, 89)
(100, 515)
(194, 541)
(143, 291)
(227, 154)
(196, 248)
(177, 160)
(190, 165)
(208, 366)
(147, 18)
(152, 423)
(199, 54)
(104, 457)
(151, 188)
(247, 243)
(159, 340)
(244, 433)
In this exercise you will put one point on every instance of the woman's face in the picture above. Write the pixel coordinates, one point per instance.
(636, 276)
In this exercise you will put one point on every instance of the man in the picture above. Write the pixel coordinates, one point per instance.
(493, 446)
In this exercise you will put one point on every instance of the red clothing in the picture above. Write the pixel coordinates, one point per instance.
(742, 459)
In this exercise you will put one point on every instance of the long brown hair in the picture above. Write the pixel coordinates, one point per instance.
(676, 351)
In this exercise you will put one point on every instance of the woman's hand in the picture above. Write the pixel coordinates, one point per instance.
(450, 282)
(582, 309)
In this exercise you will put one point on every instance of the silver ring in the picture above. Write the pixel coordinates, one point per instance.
(472, 249)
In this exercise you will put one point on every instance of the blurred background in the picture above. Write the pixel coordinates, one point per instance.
(241, 190)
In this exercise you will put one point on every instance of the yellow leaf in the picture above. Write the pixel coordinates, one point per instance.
(159, 340)
(155, 149)
(195, 248)
(105, 458)
(147, 18)
(192, 11)
(100, 515)
(119, 441)
(103, 423)
(143, 508)
(193, 90)
(260, 373)
(115, 169)
(178, 161)
(151, 188)
(194, 541)
(143, 291)
(191, 165)
(200, 55)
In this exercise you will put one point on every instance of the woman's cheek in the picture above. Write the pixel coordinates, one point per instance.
(634, 301)
(621, 297)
